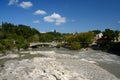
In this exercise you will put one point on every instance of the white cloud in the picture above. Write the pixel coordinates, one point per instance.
(48, 19)
(40, 12)
(26, 4)
(12, 2)
(36, 21)
(55, 18)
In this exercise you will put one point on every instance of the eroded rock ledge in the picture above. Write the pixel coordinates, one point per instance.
(53, 67)
(37, 69)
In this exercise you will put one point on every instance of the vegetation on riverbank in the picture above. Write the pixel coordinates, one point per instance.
(80, 40)
(16, 36)
(110, 41)
(20, 36)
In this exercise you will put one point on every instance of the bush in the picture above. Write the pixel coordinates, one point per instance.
(3, 51)
(75, 45)
(25, 45)
(58, 46)
(1, 46)
(115, 47)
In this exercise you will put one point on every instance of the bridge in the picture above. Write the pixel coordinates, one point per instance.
(53, 44)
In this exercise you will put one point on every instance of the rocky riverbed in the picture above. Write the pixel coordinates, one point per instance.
(49, 65)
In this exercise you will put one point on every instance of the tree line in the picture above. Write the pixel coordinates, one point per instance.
(110, 41)
(20, 36)
(15, 36)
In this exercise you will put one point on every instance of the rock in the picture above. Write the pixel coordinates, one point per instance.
(86, 70)
(1, 54)
(22, 55)
(93, 62)
(24, 52)
(36, 69)
(10, 56)
(53, 67)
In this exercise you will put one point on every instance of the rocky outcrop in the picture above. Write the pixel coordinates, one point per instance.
(10, 56)
(37, 69)
(53, 67)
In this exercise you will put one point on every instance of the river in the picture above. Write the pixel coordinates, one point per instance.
(107, 61)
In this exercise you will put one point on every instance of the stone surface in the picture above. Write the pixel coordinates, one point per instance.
(37, 69)
(53, 67)
(10, 56)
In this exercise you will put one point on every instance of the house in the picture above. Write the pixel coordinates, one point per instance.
(98, 36)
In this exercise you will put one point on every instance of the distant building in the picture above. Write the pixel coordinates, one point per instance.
(55, 31)
(98, 36)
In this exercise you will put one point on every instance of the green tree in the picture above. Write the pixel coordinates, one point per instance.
(1, 47)
(109, 35)
(116, 33)
(36, 38)
(96, 32)
(7, 44)
(70, 38)
(1, 34)
(75, 45)
(86, 38)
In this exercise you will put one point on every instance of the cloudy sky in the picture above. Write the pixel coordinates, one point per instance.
(62, 15)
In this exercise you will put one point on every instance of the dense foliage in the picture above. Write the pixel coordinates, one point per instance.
(16, 36)
(80, 39)
(96, 32)
(110, 41)
(20, 36)
(50, 36)
(75, 45)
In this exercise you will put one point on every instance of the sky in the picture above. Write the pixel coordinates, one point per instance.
(65, 16)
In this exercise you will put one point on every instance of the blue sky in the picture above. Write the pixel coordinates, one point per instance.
(63, 15)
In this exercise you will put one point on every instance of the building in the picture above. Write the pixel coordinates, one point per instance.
(98, 36)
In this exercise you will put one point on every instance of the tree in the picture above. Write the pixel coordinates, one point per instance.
(108, 40)
(116, 34)
(96, 32)
(1, 47)
(109, 35)
(1, 34)
(75, 45)
(70, 38)
(86, 38)
(36, 38)
(50, 36)
(7, 44)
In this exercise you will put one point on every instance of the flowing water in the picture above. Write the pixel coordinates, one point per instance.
(107, 61)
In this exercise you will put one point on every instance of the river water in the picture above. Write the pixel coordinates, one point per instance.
(107, 61)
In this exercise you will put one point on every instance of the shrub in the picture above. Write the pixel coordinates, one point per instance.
(3, 51)
(75, 45)
(58, 46)
(1, 46)
(25, 45)
(115, 47)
